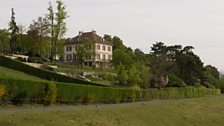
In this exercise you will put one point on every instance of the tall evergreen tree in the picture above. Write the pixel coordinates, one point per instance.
(13, 28)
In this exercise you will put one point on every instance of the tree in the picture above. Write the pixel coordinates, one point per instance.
(57, 25)
(122, 76)
(13, 28)
(121, 57)
(221, 83)
(40, 27)
(139, 56)
(159, 60)
(86, 49)
(33, 39)
(117, 43)
(4, 40)
(191, 69)
(179, 61)
(144, 75)
(51, 30)
(133, 75)
(107, 38)
(213, 76)
(213, 71)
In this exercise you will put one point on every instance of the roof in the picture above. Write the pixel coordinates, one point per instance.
(90, 35)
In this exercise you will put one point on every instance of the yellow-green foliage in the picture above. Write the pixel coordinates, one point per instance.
(50, 93)
(137, 93)
(2, 90)
(88, 99)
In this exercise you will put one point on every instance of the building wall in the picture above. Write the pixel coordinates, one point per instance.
(102, 58)
(103, 52)
(69, 50)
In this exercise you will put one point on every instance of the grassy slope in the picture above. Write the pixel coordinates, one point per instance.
(74, 69)
(207, 111)
(13, 74)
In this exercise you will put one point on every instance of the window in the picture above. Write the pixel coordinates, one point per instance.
(98, 56)
(104, 48)
(104, 56)
(74, 57)
(98, 47)
(108, 48)
(69, 48)
(69, 57)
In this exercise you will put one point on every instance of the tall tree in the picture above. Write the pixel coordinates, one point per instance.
(121, 57)
(57, 25)
(13, 28)
(51, 30)
(117, 43)
(179, 61)
(40, 26)
(107, 38)
(139, 56)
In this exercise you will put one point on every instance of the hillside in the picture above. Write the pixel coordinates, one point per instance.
(44, 74)
(14, 74)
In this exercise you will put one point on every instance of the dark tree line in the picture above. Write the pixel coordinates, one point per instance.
(164, 66)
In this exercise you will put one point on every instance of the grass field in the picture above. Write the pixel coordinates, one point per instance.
(13, 74)
(207, 111)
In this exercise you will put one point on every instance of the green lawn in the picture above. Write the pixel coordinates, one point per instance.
(208, 111)
(64, 68)
(13, 74)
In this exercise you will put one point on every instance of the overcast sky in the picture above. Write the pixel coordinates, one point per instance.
(139, 23)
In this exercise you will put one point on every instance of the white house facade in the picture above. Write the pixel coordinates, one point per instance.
(102, 50)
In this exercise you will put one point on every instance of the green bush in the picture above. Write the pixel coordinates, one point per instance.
(50, 93)
(175, 81)
(2, 93)
(48, 75)
(2, 90)
(88, 99)
(19, 99)
(47, 92)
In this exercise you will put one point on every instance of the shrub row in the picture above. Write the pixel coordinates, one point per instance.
(24, 91)
(48, 75)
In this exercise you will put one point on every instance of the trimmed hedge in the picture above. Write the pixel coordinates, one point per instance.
(48, 75)
(33, 91)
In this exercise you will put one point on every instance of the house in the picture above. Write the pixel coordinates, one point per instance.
(99, 51)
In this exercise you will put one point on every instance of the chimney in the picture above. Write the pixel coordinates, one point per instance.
(80, 33)
(93, 31)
